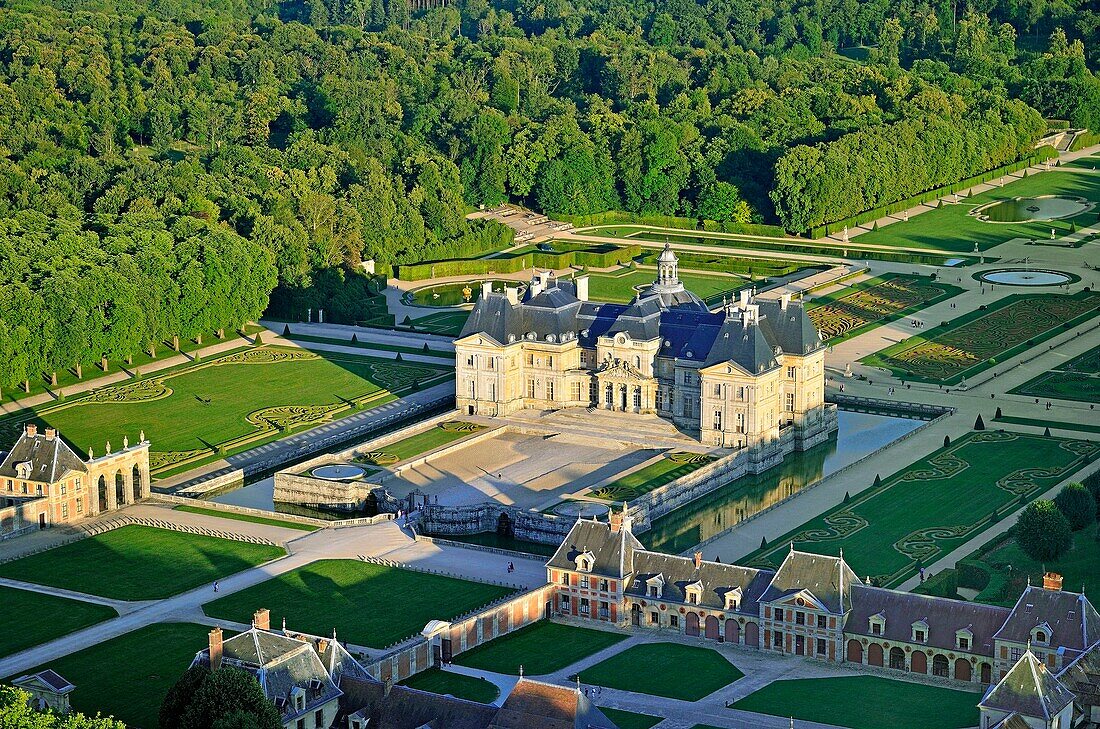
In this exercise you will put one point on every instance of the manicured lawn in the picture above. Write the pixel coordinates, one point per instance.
(630, 720)
(247, 517)
(1078, 379)
(448, 323)
(929, 508)
(36, 618)
(1010, 569)
(876, 301)
(414, 445)
(664, 470)
(127, 677)
(369, 346)
(541, 648)
(139, 563)
(454, 684)
(756, 267)
(866, 702)
(368, 604)
(645, 669)
(219, 406)
(1054, 424)
(622, 286)
(975, 341)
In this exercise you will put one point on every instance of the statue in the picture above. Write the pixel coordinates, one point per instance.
(91, 456)
(845, 234)
(467, 292)
(125, 442)
(108, 447)
(141, 437)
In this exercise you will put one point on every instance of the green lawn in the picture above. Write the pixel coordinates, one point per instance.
(541, 648)
(1077, 379)
(454, 684)
(1010, 569)
(952, 228)
(414, 445)
(938, 503)
(35, 618)
(127, 677)
(138, 563)
(978, 340)
(447, 323)
(644, 669)
(630, 720)
(498, 541)
(622, 286)
(358, 600)
(866, 702)
(247, 517)
(1054, 424)
(219, 406)
(370, 346)
(856, 309)
(668, 468)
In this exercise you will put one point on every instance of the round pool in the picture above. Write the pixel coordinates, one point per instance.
(1025, 209)
(451, 294)
(580, 509)
(337, 472)
(1024, 277)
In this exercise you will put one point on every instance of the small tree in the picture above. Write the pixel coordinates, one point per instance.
(878, 481)
(997, 416)
(397, 358)
(354, 338)
(425, 347)
(1077, 505)
(1043, 532)
(225, 692)
(286, 330)
(763, 542)
(17, 712)
(847, 497)
(979, 424)
(946, 441)
(181, 694)
(1046, 431)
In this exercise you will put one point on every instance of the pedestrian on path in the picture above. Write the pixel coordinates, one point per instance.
(215, 585)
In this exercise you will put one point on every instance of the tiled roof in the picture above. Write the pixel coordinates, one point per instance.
(409, 708)
(612, 551)
(50, 458)
(1073, 620)
(716, 579)
(829, 579)
(1028, 689)
(537, 705)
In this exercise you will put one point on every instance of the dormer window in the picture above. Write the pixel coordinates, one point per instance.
(694, 593)
(920, 632)
(585, 560)
(733, 599)
(877, 624)
(655, 586)
(1040, 634)
(964, 639)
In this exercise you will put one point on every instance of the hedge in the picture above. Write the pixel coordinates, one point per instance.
(1086, 139)
(974, 574)
(621, 217)
(536, 259)
(943, 584)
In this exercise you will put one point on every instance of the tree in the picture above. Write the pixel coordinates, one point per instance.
(227, 694)
(1077, 505)
(979, 424)
(16, 713)
(1043, 532)
(180, 696)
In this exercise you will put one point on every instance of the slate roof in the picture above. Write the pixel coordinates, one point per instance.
(1028, 689)
(408, 708)
(716, 578)
(1082, 677)
(1012, 721)
(48, 679)
(819, 574)
(50, 458)
(1073, 621)
(789, 328)
(744, 345)
(537, 705)
(943, 616)
(613, 552)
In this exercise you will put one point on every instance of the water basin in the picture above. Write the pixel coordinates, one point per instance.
(1026, 209)
(1023, 277)
(338, 472)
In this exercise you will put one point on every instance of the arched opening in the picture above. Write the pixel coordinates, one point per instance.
(635, 614)
(855, 651)
(120, 489)
(874, 655)
(919, 662)
(897, 659)
(712, 627)
(692, 624)
(987, 673)
(733, 631)
(752, 635)
(963, 670)
(136, 476)
(103, 493)
(939, 666)
(505, 528)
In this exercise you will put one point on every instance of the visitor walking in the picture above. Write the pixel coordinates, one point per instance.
(215, 585)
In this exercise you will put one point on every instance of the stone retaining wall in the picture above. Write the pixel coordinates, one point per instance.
(531, 526)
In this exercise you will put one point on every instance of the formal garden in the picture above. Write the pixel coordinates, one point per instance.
(541, 648)
(1078, 379)
(667, 468)
(437, 436)
(367, 604)
(859, 308)
(145, 563)
(36, 618)
(865, 702)
(644, 669)
(207, 410)
(620, 287)
(915, 516)
(975, 341)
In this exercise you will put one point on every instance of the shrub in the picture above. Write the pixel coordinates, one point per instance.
(1077, 505)
(1043, 532)
(979, 424)
(847, 497)
(354, 338)
(763, 542)
(286, 330)
(943, 584)
(973, 574)
(997, 416)
(397, 358)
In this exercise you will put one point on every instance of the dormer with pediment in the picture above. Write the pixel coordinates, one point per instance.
(919, 632)
(24, 469)
(693, 593)
(733, 598)
(876, 624)
(655, 586)
(584, 561)
(964, 639)
(1041, 634)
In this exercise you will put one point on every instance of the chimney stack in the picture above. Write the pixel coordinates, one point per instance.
(615, 518)
(512, 293)
(582, 287)
(784, 300)
(215, 649)
(744, 293)
(51, 433)
(486, 288)
(32, 430)
(698, 560)
(1052, 581)
(262, 619)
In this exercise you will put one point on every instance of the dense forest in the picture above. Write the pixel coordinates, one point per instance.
(167, 166)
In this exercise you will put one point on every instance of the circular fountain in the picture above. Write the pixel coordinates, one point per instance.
(1026, 277)
(338, 472)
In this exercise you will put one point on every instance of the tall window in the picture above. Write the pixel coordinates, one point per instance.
(717, 389)
(472, 389)
(492, 391)
(638, 397)
(531, 389)
(469, 360)
(637, 362)
(550, 390)
(576, 391)
(492, 363)
(530, 359)
(551, 361)
(790, 402)
(791, 373)
(584, 356)
(609, 395)
(717, 419)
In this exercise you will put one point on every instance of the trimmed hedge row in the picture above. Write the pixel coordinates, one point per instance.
(535, 259)
(1042, 154)
(620, 217)
(1086, 139)
(943, 584)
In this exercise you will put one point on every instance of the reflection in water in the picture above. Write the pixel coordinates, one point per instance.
(859, 434)
(259, 495)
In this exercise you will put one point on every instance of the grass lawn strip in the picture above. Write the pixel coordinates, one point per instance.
(295, 337)
(357, 599)
(1055, 424)
(128, 677)
(454, 684)
(975, 341)
(447, 323)
(247, 517)
(1010, 568)
(868, 304)
(541, 648)
(1077, 379)
(666, 469)
(414, 445)
(644, 669)
(497, 541)
(139, 563)
(938, 503)
(629, 719)
(871, 703)
(42, 618)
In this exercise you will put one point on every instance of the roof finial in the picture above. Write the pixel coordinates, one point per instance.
(284, 623)
(578, 683)
(792, 546)
(521, 670)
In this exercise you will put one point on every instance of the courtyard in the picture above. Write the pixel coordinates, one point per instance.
(853, 310)
(644, 669)
(541, 648)
(1078, 379)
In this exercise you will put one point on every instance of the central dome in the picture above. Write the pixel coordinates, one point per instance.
(668, 286)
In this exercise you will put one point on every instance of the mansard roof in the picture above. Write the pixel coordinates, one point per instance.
(1028, 689)
(716, 579)
(943, 616)
(1082, 677)
(788, 326)
(612, 551)
(1073, 621)
(49, 457)
(829, 579)
(744, 344)
(537, 705)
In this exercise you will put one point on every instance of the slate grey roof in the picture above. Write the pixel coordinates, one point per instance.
(682, 299)
(537, 705)
(47, 679)
(613, 552)
(408, 708)
(1082, 677)
(828, 578)
(789, 328)
(744, 345)
(1028, 689)
(716, 578)
(943, 616)
(50, 458)
(1012, 721)
(1073, 620)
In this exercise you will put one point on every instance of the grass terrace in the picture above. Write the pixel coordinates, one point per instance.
(622, 286)
(644, 669)
(437, 681)
(447, 323)
(936, 504)
(541, 648)
(35, 618)
(1052, 424)
(751, 267)
(665, 469)
(358, 599)
(368, 346)
(235, 516)
(435, 437)
(865, 702)
(139, 563)
(1077, 379)
(629, 719)
(499, 541)
(853, 310)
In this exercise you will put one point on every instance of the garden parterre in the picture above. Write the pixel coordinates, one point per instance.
(854, 310)
(1077, 379)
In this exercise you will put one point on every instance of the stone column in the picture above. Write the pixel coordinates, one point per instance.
(94, 507)
(128, 486)
(145, 481)
(112, 493)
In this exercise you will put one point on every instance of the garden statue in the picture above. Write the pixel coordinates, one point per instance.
(467, 292)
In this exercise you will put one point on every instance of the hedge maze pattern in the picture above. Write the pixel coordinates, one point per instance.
(1078, 379)
(872, 304)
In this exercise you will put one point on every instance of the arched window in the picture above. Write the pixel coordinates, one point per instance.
(609, 394)
(939, 666)
(1040, 636)
(637, 362)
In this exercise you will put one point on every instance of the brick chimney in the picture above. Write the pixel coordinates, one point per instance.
(1052, 581)
(215, 649)
(616, 520)
(582, 287)
(32, 430)
(51, 433)
(698, 560)
(262, 619)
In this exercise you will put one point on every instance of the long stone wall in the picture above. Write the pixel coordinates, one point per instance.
(530, 526)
